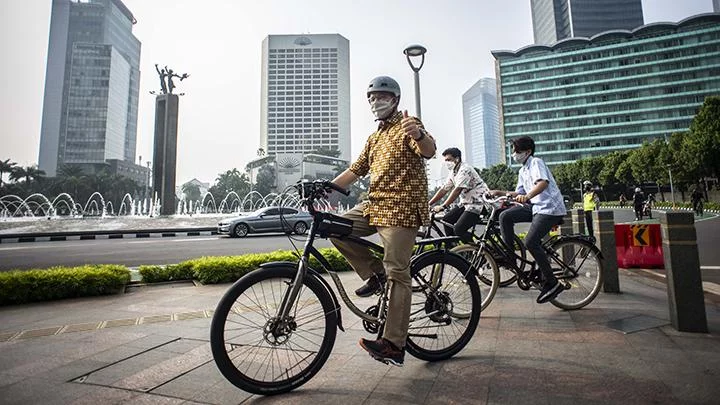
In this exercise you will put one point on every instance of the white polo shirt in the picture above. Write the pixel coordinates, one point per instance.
(550, 201)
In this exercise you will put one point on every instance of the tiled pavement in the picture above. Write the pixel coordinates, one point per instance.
(149, 345)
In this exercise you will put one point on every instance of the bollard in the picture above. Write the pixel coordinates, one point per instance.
(682, 264)
(568, 224)
(578, 221)
(604, 224)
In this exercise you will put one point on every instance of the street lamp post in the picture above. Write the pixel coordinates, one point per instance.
(672, 189)
(414, 51)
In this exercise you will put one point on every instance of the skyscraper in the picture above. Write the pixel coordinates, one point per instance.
(481, 125)
(716, 6)
(92, 83)
(305, 96)
(555, 20)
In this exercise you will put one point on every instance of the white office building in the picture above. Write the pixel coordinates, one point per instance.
(305, 95)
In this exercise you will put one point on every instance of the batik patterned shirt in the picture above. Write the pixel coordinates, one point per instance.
(398, 182)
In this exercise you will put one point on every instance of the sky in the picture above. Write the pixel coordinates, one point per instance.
(218, 42)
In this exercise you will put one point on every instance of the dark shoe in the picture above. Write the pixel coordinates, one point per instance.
(372, 286)
(384, 351)
(549, 292)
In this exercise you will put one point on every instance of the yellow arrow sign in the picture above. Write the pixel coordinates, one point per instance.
(641, 235)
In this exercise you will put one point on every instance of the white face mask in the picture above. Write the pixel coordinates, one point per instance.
(450, 165)
(382, 108)
(520, 157)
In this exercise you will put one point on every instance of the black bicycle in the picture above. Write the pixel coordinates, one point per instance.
(275, 327)
(576, 261)
(495, 273)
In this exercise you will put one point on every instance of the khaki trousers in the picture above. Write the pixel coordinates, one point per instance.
(398, 244)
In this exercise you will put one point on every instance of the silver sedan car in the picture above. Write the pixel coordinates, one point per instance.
(266, 220)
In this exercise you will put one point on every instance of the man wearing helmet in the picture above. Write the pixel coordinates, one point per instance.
(638, 201)
(590, 203)
(394, 156)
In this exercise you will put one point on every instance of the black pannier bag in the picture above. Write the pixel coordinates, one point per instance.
(333, 226)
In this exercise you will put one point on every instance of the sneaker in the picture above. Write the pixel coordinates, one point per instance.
(384, 351)
(373, 285)
(549, 292)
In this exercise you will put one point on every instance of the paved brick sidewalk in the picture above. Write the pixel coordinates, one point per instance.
(150, 346)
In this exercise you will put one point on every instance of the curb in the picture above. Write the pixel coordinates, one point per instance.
(711, 291)
(92, 235)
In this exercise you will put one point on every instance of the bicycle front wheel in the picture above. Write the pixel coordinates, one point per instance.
(445, 309)
(577, 265)
(485, 269)
(261, 354)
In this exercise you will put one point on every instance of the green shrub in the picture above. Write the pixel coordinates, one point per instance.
(225, 269)
(17, 287)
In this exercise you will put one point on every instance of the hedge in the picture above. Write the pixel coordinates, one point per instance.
(18, 286)
(225, 269)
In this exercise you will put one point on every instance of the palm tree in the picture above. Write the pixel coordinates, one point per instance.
(71, 178)
(28, 173)
(6, 166)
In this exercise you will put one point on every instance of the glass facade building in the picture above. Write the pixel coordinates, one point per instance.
(481, 125)
(589, 97)
(305, 104)
(555, 20)
(92, 84)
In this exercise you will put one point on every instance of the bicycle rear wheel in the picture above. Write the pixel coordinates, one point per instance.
(485, 269)
(577, 265)
(445, 309)
(260, 354)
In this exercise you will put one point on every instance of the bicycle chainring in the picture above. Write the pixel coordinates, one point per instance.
(369, 326)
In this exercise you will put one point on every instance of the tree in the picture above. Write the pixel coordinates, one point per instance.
(72, 180)
(191, 192)
(703, 146)
(265, 180)
(499, 177)
(230, 181)
(6, 166)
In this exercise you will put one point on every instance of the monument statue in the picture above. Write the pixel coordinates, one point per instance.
(166, 73)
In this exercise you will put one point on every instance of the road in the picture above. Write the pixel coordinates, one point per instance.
(135, 252)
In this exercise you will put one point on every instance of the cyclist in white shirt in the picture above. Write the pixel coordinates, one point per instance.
(543, 206)
(466, 184)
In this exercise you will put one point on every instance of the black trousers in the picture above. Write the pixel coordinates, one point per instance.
(589, 222)
(462, 222)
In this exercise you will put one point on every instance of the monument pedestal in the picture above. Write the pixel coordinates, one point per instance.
(165, 151)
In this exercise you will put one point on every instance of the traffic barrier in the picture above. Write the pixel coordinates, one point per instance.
(639, 245)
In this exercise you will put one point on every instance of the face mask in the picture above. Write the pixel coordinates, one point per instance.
(520, 157)
(450, 165)
(382, 108)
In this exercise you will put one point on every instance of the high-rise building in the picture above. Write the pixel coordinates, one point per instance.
(92, 84)
(482, 125)
(555, 20)
(588, 97)
(716, 6)
(305, 100)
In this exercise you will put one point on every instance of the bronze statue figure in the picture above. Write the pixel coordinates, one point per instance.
(169, 74)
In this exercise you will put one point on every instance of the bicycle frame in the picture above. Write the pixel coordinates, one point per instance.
(303, 269)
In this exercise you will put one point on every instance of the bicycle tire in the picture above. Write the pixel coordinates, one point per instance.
(432, 331)
(488, 274)
(240, 331)
(582, 285)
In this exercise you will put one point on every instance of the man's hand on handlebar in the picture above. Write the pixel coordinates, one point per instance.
(438, 208)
